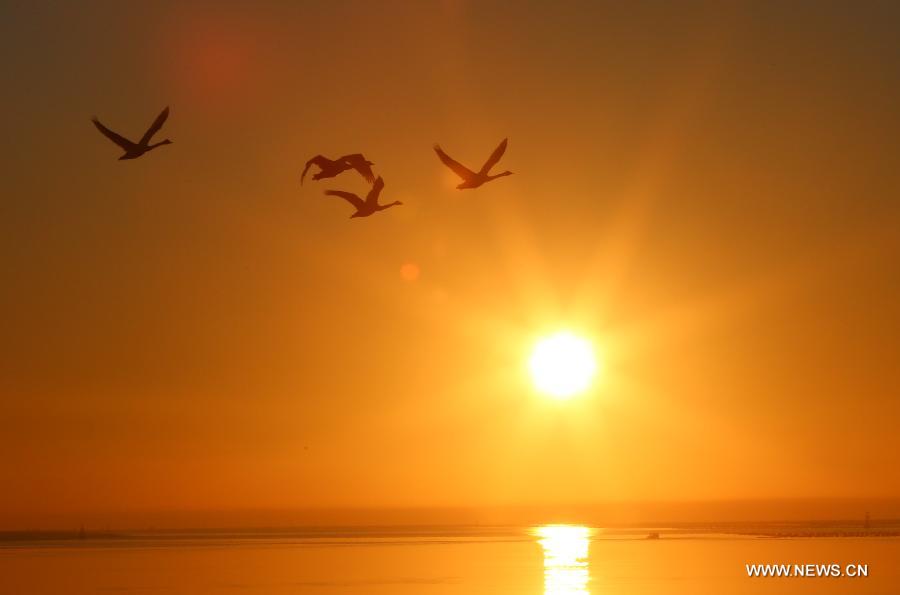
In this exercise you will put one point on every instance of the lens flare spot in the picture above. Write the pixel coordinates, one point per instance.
(409, 272)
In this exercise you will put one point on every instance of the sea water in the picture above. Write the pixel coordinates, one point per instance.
(549, 560)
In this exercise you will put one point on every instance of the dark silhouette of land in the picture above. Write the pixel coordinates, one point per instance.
(472, 179)
(366, 207)
(135, 150)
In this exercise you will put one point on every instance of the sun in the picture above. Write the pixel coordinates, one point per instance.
(562, 365)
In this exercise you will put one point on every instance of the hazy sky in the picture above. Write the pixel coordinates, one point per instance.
(707, 190)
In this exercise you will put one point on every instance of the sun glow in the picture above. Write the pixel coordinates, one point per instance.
(562, 365)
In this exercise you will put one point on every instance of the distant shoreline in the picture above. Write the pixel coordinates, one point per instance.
(464, 533)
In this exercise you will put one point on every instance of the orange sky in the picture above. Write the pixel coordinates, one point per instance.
(709, 191)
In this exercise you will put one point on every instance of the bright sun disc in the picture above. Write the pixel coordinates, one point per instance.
(562, 365)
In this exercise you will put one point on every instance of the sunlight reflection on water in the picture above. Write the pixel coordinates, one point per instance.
(566, 570)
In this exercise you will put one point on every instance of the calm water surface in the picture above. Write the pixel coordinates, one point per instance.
(551, 560)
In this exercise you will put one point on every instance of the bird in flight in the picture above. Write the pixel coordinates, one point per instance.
(367, 207)
(470, 178)
(135, 150)
(329, 168)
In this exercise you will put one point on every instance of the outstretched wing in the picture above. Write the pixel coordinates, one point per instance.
(375, 192)
(458, 168)
(494, 158)
(361, 165)
(154, 128)
(319, 160)
(123, 142)
(349, 197)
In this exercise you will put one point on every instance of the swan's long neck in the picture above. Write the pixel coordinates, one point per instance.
(500, 175)
(389, 205)
(160, 143)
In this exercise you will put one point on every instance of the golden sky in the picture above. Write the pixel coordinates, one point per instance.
(708, 191)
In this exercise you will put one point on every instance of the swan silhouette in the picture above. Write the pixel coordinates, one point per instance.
(135, 150)
(361, 165)
(329, 168)
(367, 207)
(470, 178)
